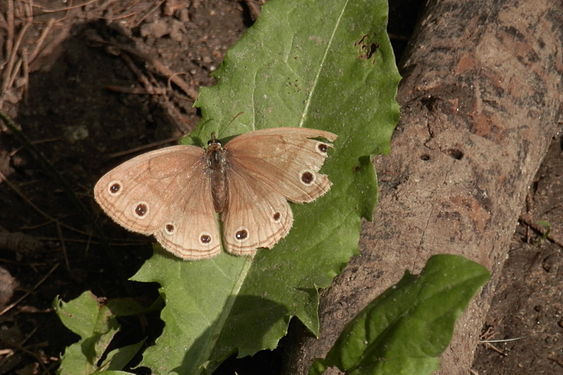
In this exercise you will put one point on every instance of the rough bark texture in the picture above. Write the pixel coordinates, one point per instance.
(480, 104)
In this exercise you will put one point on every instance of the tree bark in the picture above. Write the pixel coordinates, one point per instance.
(480, 104)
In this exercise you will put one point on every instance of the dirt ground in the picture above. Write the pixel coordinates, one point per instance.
(93, 85)
(526, 316)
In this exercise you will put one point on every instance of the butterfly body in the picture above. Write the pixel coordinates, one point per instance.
(174, 193)
(217, 166)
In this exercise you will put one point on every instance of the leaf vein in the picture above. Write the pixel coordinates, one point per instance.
(321, 66)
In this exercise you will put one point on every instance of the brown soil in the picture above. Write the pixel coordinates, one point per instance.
(526, 316)
(113, 79)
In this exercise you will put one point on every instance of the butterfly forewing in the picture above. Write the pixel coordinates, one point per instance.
(156, 193)
(287, 160)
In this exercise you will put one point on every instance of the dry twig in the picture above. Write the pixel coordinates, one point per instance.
(143, 147)
(158, 67)
(64, 9)
(37, 285)
(531, 223)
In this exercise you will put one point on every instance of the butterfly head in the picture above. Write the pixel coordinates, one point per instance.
(216, 158)
(213, 142)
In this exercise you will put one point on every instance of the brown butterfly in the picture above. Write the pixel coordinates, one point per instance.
(174, 193)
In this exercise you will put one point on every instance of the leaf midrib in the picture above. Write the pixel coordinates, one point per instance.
(321, 66)
(239, 281)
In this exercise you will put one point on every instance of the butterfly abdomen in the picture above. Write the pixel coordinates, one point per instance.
(216, 165)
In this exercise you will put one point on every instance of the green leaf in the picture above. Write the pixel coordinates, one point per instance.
(120, 357)
(406, 329)
(546, 226)
(96, 324)
(305, 64)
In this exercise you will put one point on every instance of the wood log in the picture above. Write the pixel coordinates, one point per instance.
(481, 101)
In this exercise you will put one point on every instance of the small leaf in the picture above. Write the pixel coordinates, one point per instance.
(96, 324)
(406, 329)
(546, 226)
(120, 357)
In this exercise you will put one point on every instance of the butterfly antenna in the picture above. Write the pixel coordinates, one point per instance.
(235, 117)
(214, 137)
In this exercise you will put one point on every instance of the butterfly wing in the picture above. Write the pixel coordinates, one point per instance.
(266, 168)
(287, 160)
(164, 193)
(256, 216)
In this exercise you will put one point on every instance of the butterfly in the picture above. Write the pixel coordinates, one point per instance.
(177, 192)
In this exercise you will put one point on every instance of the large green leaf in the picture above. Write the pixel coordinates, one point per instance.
(324, 64)
(405, 330)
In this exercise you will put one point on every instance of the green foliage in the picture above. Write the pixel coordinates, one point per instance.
(96, 323)
(405, 330)
(324, 64)
(546, 225)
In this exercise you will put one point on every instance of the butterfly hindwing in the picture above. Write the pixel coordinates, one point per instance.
(255, 216)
